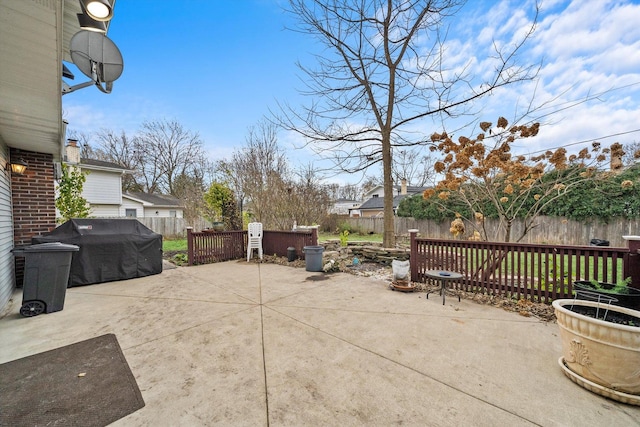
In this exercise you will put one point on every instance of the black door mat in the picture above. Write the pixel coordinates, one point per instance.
(88, 383)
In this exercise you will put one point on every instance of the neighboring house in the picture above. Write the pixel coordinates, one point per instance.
(151, 206)
(373, 206)
(103, 190)
(342, 206)
(35, 37)
(378, 191)
(103, 185)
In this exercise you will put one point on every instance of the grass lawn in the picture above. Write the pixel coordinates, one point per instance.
(353, 237)
(174, 245)
(181, 244)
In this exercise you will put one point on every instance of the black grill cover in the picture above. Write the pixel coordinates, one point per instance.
(110, 249)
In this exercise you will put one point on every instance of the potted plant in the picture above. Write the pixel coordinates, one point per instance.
(600, 347)
(618, 294)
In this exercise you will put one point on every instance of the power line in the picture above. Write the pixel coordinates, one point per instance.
(586, 141)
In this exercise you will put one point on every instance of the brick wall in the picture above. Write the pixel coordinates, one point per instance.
(33, 197)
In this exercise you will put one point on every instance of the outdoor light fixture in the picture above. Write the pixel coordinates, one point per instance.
(88, 23)
(100, 10)
(18, 167)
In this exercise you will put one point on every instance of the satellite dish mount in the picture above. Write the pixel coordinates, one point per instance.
(98, 58)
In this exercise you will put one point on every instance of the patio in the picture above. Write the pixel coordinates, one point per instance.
(239, 343)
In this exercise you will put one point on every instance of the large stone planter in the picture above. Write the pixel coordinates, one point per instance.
(601, 356)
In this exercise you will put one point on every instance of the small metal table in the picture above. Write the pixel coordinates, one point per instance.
(444, 277)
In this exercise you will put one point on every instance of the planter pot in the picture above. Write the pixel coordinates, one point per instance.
(599, 355)
(629, 297)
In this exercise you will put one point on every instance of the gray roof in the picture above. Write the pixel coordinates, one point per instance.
(378, 202)
(92, 162)
(156, 199)
(413, 189)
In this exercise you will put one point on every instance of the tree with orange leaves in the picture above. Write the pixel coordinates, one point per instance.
(482, 171)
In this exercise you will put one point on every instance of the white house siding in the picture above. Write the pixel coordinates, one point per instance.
(102, 188)
(130, 204)
(378, 192)
(105, 211)
(6, 231)
(342, 208)
(150, 212)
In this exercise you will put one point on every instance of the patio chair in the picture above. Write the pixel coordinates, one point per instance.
(254, 240)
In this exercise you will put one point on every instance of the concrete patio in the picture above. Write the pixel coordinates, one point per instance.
(240, 343)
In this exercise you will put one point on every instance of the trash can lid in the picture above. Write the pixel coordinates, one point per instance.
(48, 247)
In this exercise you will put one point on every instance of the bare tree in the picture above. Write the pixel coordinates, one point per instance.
(378, 76)
(258, 173)
(347, 192)
(260, 176)
(84, 141)
(370, 182)
(310, 199)
(632, 153)
(416, 168)
(190, 189)
(167, 150)
(123, 150)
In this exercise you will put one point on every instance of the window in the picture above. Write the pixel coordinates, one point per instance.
(375, 195)
(131, 213)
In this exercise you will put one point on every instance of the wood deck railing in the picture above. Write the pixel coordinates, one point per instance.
(205, 247)
(535, 272)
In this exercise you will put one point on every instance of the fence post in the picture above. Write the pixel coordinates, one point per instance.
(632, 265)
(190, 245)
(314, 236)
(413, 257)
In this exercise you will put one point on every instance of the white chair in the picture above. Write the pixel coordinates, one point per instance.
(254, 240)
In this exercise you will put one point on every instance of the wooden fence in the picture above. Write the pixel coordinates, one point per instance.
(534, 272)
(173, 227)
(206, 247)
(549, 230)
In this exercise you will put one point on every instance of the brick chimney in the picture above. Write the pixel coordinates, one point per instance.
(72, 151)
(403, 187)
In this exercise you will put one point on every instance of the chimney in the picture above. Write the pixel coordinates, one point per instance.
(403, 187)
(73, 151)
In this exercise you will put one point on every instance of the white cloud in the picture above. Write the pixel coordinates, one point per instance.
(586, 48)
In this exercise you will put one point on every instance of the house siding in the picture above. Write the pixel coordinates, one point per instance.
(7, 282)
(102, 187)
(130, 204)
(105, 211)
(150, 212)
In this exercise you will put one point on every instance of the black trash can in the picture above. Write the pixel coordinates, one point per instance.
(46, 274)
(598, 242)
(291, 254)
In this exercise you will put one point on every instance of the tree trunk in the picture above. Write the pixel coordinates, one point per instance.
(389, 237)
(507, 232)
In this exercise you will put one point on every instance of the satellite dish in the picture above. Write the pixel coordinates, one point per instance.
(97, 57)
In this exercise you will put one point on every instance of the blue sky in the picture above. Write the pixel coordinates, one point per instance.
(214, 66)
(218, 66)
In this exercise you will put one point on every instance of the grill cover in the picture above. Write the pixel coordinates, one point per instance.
(110, 249)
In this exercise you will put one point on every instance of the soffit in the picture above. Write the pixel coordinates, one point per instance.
(35, 37)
